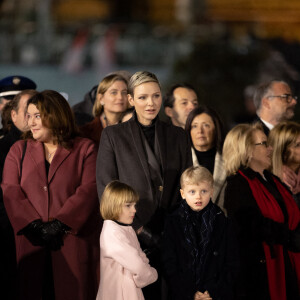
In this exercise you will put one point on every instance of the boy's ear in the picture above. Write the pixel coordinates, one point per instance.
(182, 194)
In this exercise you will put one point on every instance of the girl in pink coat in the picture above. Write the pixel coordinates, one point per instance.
(124, 267)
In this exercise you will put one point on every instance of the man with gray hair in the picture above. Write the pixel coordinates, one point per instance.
(274, 103)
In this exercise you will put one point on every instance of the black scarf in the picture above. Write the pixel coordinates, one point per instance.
(198, 227)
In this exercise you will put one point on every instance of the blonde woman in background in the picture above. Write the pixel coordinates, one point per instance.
(285, 140)
(266, 218)
(110, 104)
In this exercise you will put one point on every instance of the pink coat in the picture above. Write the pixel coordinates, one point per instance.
(68, 194)
(124, 267)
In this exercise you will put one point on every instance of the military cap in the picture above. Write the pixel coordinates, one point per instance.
(13, 85)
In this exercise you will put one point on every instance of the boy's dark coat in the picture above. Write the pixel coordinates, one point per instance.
(221, 265)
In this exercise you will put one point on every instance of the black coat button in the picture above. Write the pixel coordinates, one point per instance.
(215, 253)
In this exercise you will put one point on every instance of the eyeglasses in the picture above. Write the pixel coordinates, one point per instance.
(264, 143)
(286, 97)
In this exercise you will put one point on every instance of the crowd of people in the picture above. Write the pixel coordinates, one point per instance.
(106, 201)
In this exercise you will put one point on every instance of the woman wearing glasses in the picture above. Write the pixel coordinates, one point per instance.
(285, 140)
(266, 218)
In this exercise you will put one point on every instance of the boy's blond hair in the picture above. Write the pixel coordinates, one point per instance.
(116, 194)
(196, 175)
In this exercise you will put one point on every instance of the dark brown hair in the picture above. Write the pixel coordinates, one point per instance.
(219, 127)
(56, 114)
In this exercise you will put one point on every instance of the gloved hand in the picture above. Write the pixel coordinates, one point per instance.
(148, 239)
(52, 234)
(33, 232)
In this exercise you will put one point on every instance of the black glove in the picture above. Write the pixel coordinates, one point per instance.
(52, 234)
(33, 232)
(148, 239)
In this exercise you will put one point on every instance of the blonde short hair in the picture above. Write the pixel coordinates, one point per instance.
(195, 175)
(281, 137)
(116, 194)
(238, 146)
(103, 86)
(139, 78)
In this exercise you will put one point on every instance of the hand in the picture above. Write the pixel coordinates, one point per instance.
(139, 230)
(52, 234)
(33, 232)
(202, 296)
(289, 177)
(149, 239)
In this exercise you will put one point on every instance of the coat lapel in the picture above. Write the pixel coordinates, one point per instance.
(159, 132)
(60, 155)
(36, 151)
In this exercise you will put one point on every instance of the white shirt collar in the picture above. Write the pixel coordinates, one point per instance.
(269, 125)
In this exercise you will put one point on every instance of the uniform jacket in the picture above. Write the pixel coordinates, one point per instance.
(125, 269)
(122, 156)
(221, 265)
(219, 176)
(68, 194)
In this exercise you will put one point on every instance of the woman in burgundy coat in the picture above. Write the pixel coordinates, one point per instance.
(50, 195)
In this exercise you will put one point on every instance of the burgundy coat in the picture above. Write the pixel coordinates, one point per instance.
(69, 194)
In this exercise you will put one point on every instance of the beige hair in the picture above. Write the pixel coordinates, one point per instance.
(139, 78)
(116, 194)
(281, 137)
(196, 175)
(238, 146)
(103, 86)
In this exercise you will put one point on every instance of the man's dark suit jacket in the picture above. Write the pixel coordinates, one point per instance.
(265, 128)
(122, 156)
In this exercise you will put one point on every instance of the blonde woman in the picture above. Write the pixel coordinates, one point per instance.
(110, 104)
(266, 218)
(285, 140)
(148, 155)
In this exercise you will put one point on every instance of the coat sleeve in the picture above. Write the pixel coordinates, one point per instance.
(122, 251)
(79, 207)
(19, 209)
(106, 166)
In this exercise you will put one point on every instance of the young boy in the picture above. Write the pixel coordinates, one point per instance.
(199, 250)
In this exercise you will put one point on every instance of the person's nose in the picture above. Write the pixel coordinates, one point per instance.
(150, 101)
(294, 101)
(133, 209)
(30, 122)
(190, 106)
(120, 96)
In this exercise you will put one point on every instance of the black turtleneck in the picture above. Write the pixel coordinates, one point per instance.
(149, 132)
(207, 158)
(122, 224)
